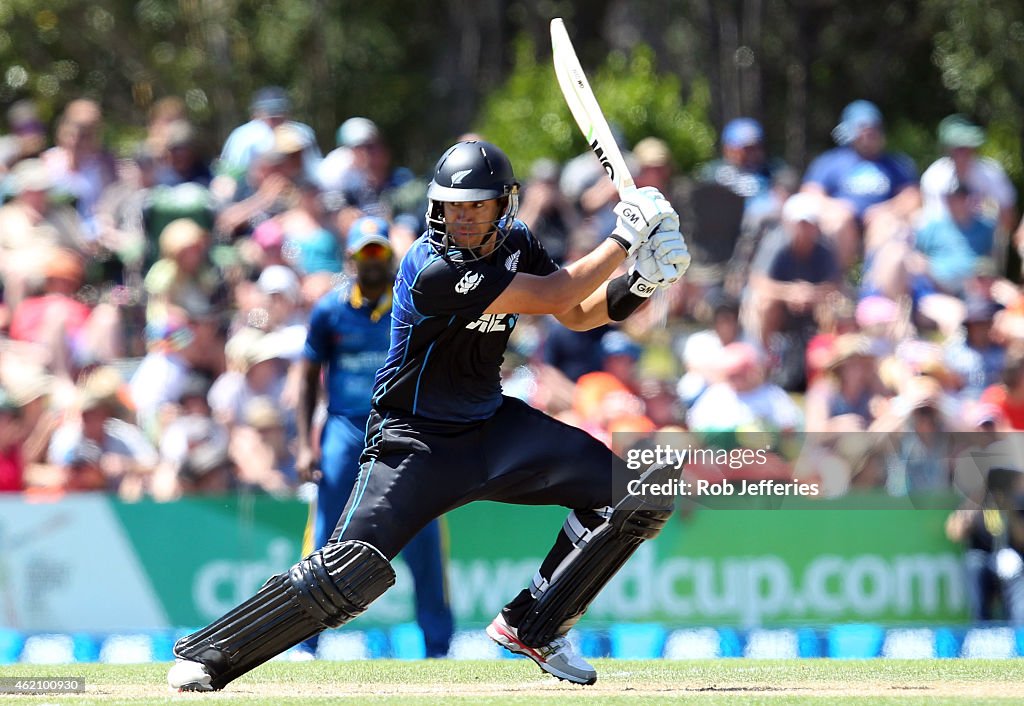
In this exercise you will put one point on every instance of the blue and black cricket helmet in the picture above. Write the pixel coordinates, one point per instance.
(472, 170)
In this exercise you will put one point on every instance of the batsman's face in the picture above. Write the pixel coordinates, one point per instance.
(469, 222)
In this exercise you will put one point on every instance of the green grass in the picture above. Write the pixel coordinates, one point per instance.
(520, 682)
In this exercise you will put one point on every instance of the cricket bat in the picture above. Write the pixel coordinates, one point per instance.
(585, 109)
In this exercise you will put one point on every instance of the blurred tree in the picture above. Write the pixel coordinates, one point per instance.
(336, 59)
(527, 114)
(794, 64)
(979, 52)
(428, 71)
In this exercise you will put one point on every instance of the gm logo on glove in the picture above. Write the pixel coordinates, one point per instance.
(630, 214)
(643, 288)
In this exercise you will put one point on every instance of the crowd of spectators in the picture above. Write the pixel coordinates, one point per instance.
(154, 302)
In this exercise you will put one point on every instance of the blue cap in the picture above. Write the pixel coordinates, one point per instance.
(742, 132)
(618, 343)
(856, 116)
(272, 101)
(367, 230)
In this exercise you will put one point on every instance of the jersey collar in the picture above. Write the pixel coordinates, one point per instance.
(358, 301)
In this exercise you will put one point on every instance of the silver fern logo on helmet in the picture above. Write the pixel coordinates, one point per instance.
(457, 177)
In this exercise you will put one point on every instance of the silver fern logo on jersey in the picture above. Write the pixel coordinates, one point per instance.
(469, 282)
(512, 262)
(458, 176)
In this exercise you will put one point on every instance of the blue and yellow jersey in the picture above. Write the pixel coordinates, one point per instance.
(350, 336)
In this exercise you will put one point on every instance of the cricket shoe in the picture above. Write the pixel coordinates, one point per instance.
(186, 675)
(557, 658)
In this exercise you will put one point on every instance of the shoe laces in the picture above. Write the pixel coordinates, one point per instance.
(559, 644)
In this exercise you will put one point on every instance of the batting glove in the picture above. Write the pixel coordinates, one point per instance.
(661, 260)
(640, 213)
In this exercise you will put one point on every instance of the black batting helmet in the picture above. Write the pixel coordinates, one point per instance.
(473, 170)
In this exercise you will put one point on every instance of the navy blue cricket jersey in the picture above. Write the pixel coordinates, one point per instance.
(446, 354)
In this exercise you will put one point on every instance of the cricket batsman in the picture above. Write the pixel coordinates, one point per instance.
(441, 434)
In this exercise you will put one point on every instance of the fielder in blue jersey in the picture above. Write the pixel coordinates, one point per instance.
(441, 434)
(349, 335)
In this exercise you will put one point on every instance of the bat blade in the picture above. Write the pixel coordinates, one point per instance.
(584, 107)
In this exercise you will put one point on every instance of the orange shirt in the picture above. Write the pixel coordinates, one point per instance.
(1013, 411)
(591, 389)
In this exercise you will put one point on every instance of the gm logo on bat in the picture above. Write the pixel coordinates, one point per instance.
(604, 160)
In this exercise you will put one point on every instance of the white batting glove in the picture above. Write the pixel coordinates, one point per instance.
(660, 261)
(671, 221)
(641, 212)
(670, 252)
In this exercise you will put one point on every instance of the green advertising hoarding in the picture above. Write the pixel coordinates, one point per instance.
(185, 563)
(206, 556)
(733, 567)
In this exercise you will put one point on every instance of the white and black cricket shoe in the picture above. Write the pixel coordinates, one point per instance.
(186, 675)
(557, 658)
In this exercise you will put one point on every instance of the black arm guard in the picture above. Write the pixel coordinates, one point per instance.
(325, 590)
(625, 294)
